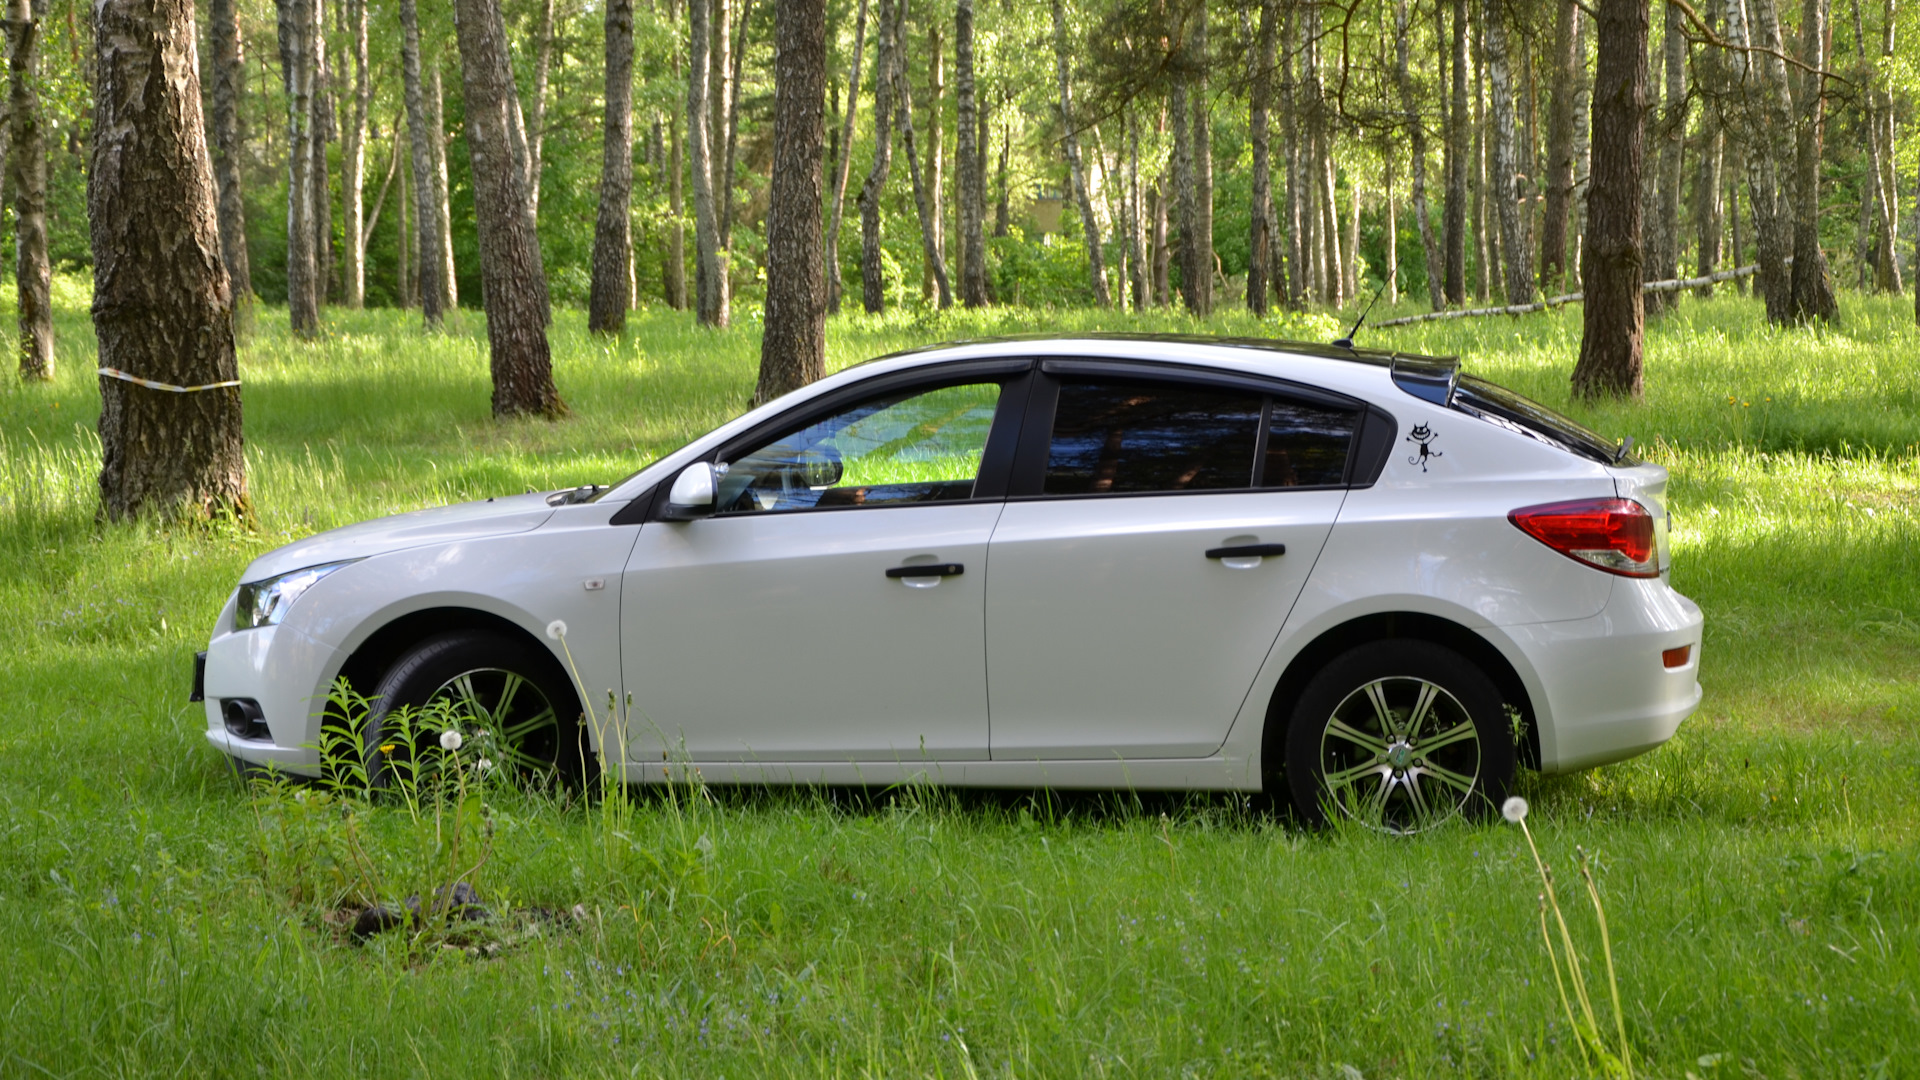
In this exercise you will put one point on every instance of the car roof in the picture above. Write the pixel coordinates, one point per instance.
(1380, 358)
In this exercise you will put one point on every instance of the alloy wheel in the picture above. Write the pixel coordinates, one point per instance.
(1400, 754)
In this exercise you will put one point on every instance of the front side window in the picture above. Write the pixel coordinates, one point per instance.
(1113, 436)
(912, 447)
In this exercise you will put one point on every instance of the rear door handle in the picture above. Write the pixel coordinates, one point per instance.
(947, 569)
(1246, 551)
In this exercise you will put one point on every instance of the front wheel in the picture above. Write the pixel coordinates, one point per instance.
(1399, 735)
(513, 705)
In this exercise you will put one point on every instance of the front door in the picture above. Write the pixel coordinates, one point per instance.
(1141, 579)
(832, 608)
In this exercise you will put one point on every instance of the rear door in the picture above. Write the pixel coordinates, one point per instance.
(1160, 526)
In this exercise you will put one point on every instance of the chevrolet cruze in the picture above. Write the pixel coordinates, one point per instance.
(1365, 580)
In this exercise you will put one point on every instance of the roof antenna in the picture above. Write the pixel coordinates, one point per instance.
(1347, 342)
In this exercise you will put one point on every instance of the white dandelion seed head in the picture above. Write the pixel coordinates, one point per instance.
(1514, 809)
(450, 740)
(486, 765)
(557, 629)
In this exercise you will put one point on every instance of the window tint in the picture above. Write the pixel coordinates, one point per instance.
(913, 448)
(1306, 444)
(1116, 435)
(1504, 408)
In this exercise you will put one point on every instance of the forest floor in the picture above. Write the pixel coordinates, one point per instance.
(1761, 873)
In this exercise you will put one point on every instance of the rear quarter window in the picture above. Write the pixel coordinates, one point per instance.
(1503, 408)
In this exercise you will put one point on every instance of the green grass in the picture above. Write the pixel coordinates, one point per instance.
(1760, 872)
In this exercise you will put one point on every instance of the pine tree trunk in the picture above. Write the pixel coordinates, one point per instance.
(537, 118)
(926, 203)
(353, 160)
(1769, 125)
(609, 295)
(710, 275)
(1200, 292)
(442, 200)
(1505, 164)
(1260, 212)
(1813, 298)
(873, 292)
(1076, 173)
(1417, 133)
(407, 242)
(793, 350)
(843, 167)
(512, 281)
(1162, 254)
(296, 21)
(421, 137)
(162, 308)
(971, 153)
(228, 137)
(1613, 319)
(1002, 213)
(1663, 248)
(1455, 280)
(1569, 69)
(1350, 240)
(27, 171)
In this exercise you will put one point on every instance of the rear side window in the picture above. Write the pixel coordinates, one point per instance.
(1504, 408)
(1114, 436)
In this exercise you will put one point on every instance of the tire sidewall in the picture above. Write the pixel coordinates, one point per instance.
(1398, 657)
(420, 673)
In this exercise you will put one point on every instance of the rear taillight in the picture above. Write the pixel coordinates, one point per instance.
(1615, 535)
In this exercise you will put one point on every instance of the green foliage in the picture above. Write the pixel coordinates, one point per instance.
(1760, 872)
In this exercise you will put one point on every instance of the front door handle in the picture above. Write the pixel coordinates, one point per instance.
(945, 569)
(1246, 551)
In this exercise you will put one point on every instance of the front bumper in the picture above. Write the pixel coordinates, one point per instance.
(1603, 692)
(286, 673)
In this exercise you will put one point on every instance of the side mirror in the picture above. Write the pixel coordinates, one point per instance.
(692, 493)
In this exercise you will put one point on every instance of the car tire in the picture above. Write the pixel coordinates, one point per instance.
(1400, 735)
(538, 740)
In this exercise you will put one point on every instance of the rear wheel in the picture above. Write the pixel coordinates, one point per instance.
(1399, 735)
(513, 706)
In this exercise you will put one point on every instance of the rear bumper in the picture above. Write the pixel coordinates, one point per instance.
(1602, 692)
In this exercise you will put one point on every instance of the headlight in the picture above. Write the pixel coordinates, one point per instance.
(265, 603)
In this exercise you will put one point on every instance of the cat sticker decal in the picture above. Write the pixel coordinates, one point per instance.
(1423, 437)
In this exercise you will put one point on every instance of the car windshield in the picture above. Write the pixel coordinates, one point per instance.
(1502, 407)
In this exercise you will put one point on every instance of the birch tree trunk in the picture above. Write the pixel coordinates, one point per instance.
(733, 126)
(971, 153)
(710, 272)
(873, 293)
(936, 153)
(1768, 127)
(1136, 224)
(442, 200)
(1813, 298)
(1569, 69)
(720, 71)
(1200, 292)
(513, 281)
(537, 118)
(673, 277)
(1582, 150)
(422, 137)
(295, 20)
(353, 160)
(27, 169)
(1298, 264)
(1457, 161)
(1664, 246)
(1887, 186)
(1089, 225)
(793, 350)
(610, 293)
(1260, 213)
(830, 264)
(162, 308)
(323, 133)
(1612, 316)
(927, 207)
(1707, 176)
(1180, 175)
(228, 137)
(1417, 133)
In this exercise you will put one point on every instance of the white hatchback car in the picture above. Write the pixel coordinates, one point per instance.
(1102, 562)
